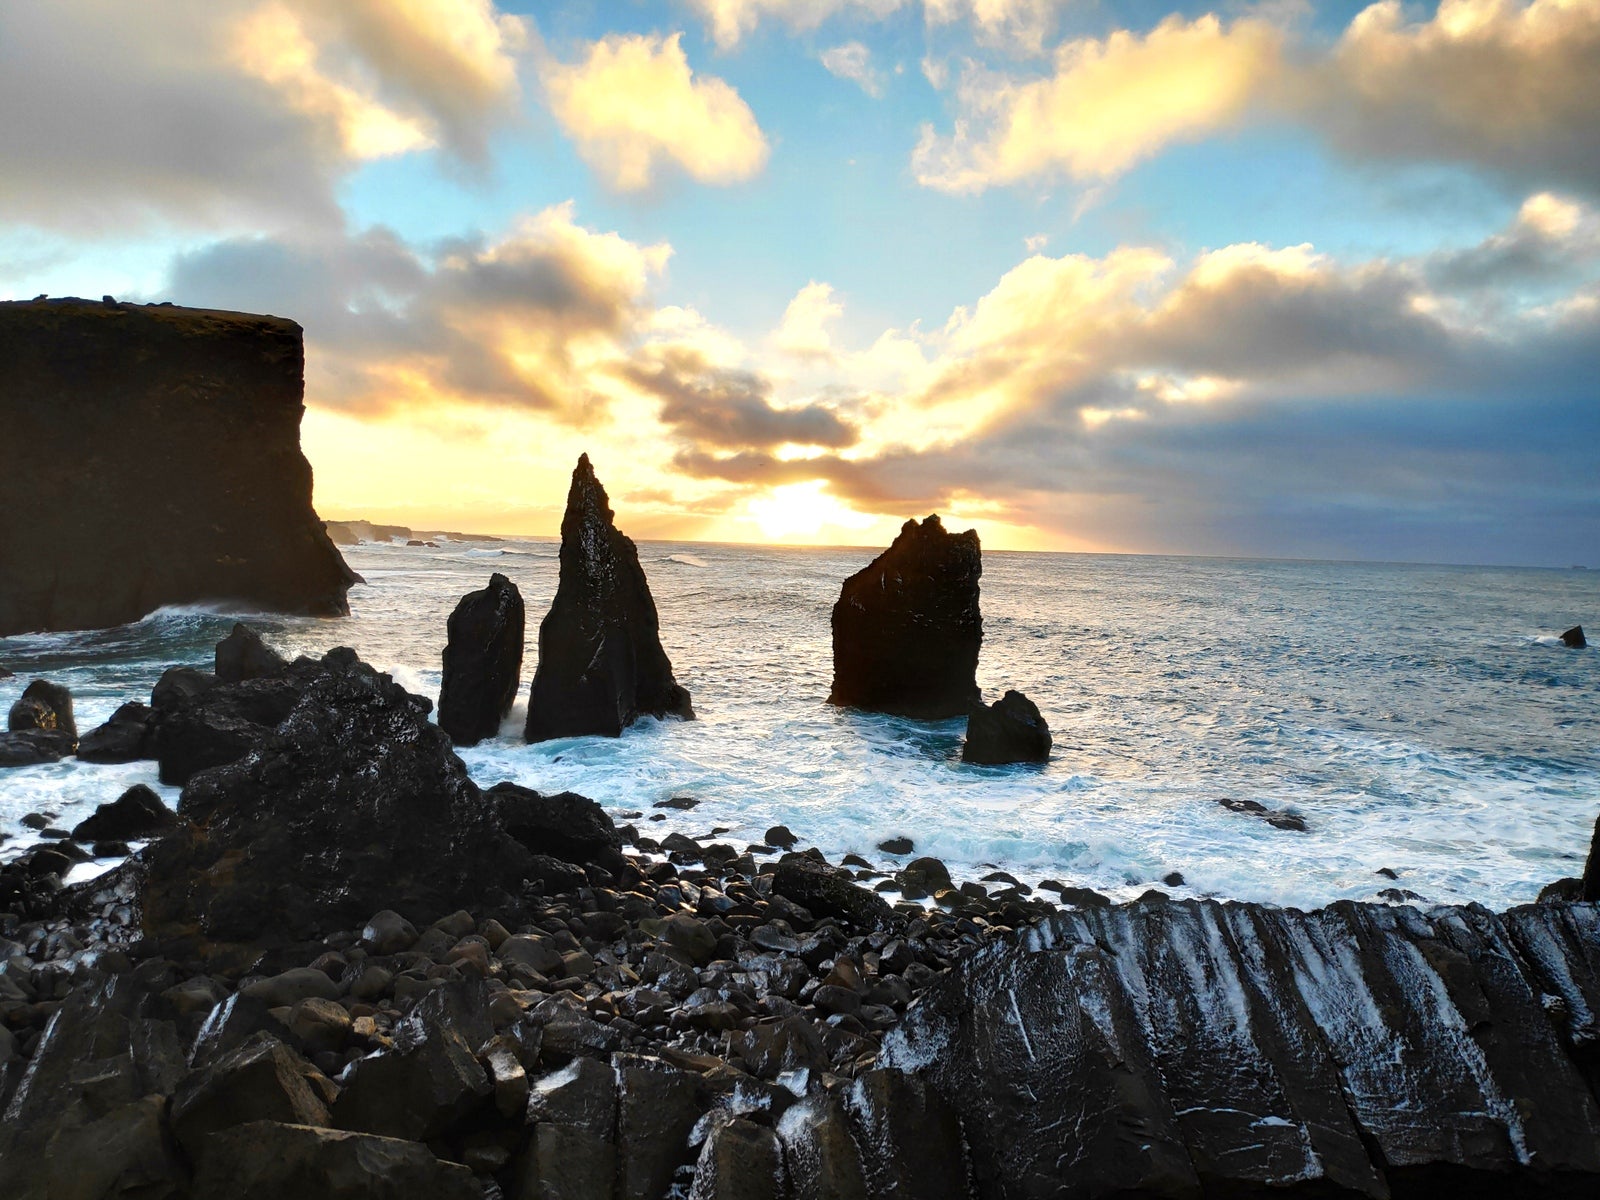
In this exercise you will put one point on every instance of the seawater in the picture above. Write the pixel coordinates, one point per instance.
(1423, 719)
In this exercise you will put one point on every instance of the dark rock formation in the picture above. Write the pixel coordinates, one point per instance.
(601, 665)
(1591, 867)
(1008, 731)
(268, 1160)
(152, 456)
(137, 813)
(1574, 638)
(124, 738)
(1254, 808)
(566, 825)
(482, 662)
(353, 804)
(40, 726)
(1172, 1049)
(243, 655)
(826, 890)
(906, 628)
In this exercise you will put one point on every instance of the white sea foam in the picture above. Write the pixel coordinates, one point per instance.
(1408, 714)
(686, 560)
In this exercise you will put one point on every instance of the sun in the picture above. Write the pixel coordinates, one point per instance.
(802, 511)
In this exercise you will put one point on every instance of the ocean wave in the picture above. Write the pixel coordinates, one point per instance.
(686, 560)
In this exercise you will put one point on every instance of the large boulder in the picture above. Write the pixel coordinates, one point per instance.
(355, 803)
(93, 396)
(601, 665)
(1011, 730)
(565, 825)
(827, 891)
(44, 706)
(482, 662)
(243, 655)
(906, 628)
(137, 813)
(270, 1160)
(124, 738)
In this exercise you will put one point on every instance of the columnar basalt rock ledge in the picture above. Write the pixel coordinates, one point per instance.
(151, 456)
(907, 628)
(601, 665)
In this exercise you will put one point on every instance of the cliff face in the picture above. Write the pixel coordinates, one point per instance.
(151, 456)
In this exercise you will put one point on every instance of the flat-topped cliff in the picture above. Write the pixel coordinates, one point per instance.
(151, 456)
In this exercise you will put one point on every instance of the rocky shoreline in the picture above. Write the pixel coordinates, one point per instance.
(344, 970)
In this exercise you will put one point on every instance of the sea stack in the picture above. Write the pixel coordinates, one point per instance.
(1011, 730)
(152, 456)
(906, 628)
(1574, 638)
(601, 665)
(482, 662)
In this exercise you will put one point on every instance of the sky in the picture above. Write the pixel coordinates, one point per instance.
(1278, 279)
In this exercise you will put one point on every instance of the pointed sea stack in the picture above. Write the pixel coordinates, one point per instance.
(601, 665)
(151, 456)
(1011, 730)
(1574, 638)
(482, 662)
(907, 629)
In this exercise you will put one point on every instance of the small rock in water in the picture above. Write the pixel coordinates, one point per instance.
(779, 836)
(137, 813)
(682, 802)
(1387, 872)
(897, 845)
(243, 655)
(1173, 879)
(1254, 808)
(1011, 730)
(1574, 638)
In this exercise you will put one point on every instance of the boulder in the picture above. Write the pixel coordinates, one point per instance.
(1008, 731)
(1590, 889)
(656, 1110)
(565, 825)
(424, 1087)
(215, 399)
(1574, 638)
(355, 803)
(821, 1157)
(601, 665)
(482, 662)
(267, 1160)
(828, 892)
(124, 738)
(33, 746)
(906, 628)
(261, 1080)
(47, 707)
(740, 1161)
(243, 655)
(137, 813)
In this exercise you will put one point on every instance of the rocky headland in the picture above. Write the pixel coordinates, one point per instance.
(601, 666)
(907, 628)
(343, 969)
(152, 457)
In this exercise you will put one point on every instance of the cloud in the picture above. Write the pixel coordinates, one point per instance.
(803, 331)
(1020, 26)
(1506, 86)
(727, 407)
(1108, 105)
(524, 321)
(730, 20)
(1510, 85)
(633, 105)
(234, 113)
(1552, 239)
(853, 61)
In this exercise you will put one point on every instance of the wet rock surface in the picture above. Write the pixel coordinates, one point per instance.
(601, 665)
(1011, 730)
(482, 662)
(907, 629)
(216, 399)
(1574, 638)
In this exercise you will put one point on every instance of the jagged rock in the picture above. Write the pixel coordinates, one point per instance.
(906, 628)
(565, 825)
(340, 533)
(137, 813)
(216, 399)
(1008, 731)
(482, 662)
(355, 803)
(231, 1024)
(911, 1142)
(656, 1109)
(785, 1044)
(200, 721)
(821, 1157)
(601, 665)
(1278, 820)
(123, 738)
(261, 1080)
(828, 891)
(1574, 638)
(243, 655)
(47, 707)
(740, 1161)
(33, 746)
(1591, 867)
(421, 1089)
(269, 1161)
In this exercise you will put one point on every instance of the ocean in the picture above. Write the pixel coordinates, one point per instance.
(1423, 720)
